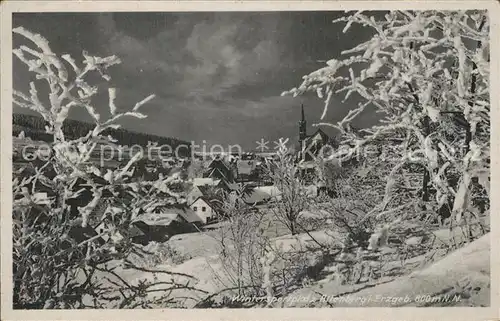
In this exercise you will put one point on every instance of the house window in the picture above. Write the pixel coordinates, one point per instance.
(195, 208)
(203, 209)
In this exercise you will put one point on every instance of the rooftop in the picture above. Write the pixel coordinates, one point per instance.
(201, 181)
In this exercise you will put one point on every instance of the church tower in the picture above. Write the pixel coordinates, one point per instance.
(302, 128)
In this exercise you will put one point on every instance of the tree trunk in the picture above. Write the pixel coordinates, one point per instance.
(468, 133)
(292, 227)
(427, 176)
(468, 136)
(425, 186)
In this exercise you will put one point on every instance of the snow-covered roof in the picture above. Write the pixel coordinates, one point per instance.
(201, 181)
(272, 190)
(256, 196)
(212, 204)
(186, 212)
(167, 216)
(163, 219)
(319, 135)
(213, 172)
(233, 186)
(217, 161)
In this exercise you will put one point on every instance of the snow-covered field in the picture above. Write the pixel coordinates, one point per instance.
(461, 278)
(463, 272)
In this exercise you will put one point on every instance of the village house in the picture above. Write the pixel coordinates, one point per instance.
(207, 181)
(194, 193)
(158, 226)
(214, 183)
(219, 169)
(133, 232)
(206, 209)
(247, 170)
(203, 186)
(256, 197)
(208, 191)
(310, 146)
(162, 225)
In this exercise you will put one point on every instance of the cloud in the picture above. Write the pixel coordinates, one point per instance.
(136, 54)
(217, 76)
(211, 74)
(208, 59)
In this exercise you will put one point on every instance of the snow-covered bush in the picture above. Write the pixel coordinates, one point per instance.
(288, 179)
(59, 200)
(155, 254)
(241, 243)
(426, 73)
(250, 263)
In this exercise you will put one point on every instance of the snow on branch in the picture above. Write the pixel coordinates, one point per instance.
(417, 69)
(68, 87)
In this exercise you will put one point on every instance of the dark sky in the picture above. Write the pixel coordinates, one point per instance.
(217, 76)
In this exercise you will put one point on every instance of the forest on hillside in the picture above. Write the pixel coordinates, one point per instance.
(34, 128)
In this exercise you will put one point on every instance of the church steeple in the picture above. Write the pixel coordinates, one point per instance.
(302, 126)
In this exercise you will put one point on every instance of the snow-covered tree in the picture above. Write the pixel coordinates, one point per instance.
(426, 73)
(289, 181)
(57, 201)
(240, 243)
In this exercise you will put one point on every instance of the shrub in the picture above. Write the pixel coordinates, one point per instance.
(58, 257)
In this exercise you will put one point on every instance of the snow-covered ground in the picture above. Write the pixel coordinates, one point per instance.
(462, 278)
(464, 272)
(194, 245)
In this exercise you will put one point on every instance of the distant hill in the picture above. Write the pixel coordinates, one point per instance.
(34, 128)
